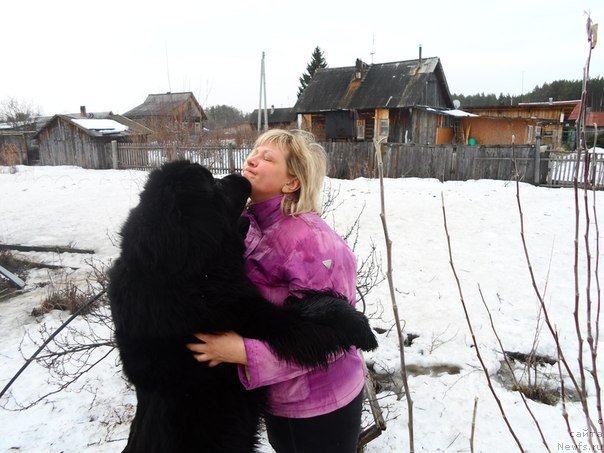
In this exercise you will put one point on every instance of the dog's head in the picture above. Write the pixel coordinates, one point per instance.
(185, 219)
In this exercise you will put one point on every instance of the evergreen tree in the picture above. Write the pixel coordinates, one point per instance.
(558, 90)
(317, 60)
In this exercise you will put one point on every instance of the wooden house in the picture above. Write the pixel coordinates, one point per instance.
(277, 118)
(13, 147)
(84, 140)
(368, 101)
(173, 117)
(497, 124)
(592, 121)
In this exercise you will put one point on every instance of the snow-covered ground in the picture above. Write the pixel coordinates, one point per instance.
(85, 209)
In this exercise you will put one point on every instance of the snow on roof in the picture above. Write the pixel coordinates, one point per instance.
(457, 112)
(452, 112)
(103, 126)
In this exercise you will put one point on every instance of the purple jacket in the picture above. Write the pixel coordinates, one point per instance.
(285, 254)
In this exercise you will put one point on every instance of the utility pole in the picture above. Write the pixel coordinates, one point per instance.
(262, 91)
(372, 48)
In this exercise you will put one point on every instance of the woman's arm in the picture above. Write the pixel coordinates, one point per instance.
(218, 348)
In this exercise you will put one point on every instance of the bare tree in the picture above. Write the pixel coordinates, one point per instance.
(19, 114)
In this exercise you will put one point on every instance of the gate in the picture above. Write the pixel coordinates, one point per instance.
(562, 167)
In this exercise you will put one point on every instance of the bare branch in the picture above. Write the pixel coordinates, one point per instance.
(401, 340)
(469, 322)
(509, 365)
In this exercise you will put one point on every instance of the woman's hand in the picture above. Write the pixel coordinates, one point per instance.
(217, 348)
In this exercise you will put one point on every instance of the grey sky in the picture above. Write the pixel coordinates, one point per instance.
(108, 55)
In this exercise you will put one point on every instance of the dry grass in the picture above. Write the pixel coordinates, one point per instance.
(539, 393)
(66, 297)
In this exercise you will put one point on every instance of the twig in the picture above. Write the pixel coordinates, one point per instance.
(591, 341)
(473, 424)
(401, 339)
(65, 384)
(509, 365)
(476, 348)
(563, 397)
(48, 340)
(548, 323)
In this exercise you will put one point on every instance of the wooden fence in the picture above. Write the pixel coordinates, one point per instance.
(350, 160)
(444, 162)
(219, 159)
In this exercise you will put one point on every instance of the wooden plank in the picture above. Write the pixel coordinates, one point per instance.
(12, 277)
(43, 248)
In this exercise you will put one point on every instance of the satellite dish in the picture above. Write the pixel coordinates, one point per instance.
(456, 103)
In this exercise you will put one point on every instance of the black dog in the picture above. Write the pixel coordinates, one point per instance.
(181, 271)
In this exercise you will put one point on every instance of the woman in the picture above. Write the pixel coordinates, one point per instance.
(290, 248)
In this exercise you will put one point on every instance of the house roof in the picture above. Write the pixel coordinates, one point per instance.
(274, 116)
(590, 117)
(385, 85)
(162, 103)
(101, 125)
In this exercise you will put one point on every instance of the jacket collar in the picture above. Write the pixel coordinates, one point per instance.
(266, 212)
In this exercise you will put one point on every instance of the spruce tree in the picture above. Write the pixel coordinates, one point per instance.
(317, 60)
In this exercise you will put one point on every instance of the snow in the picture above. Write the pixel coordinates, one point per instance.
(85, 209)
(104, 126)
(453, 112)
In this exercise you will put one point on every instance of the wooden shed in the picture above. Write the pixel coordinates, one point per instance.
(498, 123)
(172, 117)
(84, 141)
(368, 101)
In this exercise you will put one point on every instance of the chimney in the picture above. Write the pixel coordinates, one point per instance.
(420, 54)
(83, 111)
(358, 72)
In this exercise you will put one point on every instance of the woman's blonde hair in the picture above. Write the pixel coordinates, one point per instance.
(305, 160)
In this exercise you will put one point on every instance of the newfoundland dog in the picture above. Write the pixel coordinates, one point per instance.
(181, 271)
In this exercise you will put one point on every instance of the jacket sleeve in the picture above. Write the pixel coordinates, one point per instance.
(315, 262)
(264, 367)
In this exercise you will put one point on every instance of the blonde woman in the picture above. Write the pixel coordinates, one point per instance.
(290, 248)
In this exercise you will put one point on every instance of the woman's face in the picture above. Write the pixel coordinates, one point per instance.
(266, 169)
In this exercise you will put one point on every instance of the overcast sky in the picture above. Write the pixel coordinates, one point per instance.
(108, 55)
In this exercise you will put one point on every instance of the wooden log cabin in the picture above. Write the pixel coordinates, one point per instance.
(84, 140)
(373, 101)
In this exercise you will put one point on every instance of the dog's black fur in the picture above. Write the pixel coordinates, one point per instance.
(181, 271)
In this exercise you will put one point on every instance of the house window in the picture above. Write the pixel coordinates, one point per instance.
(361, 129)
(383, 128)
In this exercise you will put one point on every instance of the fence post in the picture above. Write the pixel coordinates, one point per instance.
(537, 172)
(175, 155)
(453, 173)
(23, 160)
(231, 159)
(114, 161)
